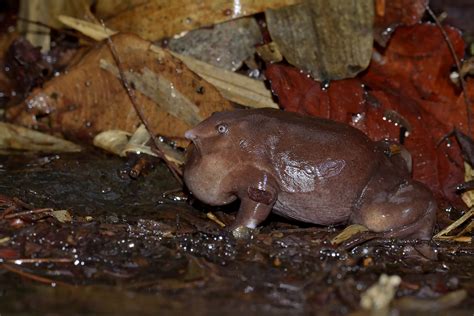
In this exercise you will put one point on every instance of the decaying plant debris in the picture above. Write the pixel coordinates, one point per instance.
(84, 231)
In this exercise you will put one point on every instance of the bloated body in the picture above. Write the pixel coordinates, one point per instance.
(309, 169)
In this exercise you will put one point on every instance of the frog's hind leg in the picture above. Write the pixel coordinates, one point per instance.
(406, 211)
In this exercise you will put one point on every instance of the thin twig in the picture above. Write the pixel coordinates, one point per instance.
(39, 260)
(458, 66)
(131, 94)
(299, 230)
(7, 211)
(39, 23)
(29, 212)
(29, 275)
(23, 204)
(214, 218)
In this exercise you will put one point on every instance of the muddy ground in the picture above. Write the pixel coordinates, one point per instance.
(137, 245)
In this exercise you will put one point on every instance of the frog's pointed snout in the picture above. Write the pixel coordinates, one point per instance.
(190, 135)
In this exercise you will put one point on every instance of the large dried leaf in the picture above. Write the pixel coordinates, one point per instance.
(161, 91)
(328, 39)
(408, 84)
(159, 19)
(88, 99)
(108, 8)
(120, 143)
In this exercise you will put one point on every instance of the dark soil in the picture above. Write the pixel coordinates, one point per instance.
(137, 246)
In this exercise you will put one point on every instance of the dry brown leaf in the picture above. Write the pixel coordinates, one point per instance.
(347, 233)
(120, 143)
(62, 216)
(160, 19)
(161, 91)
(21, 138)
(107, 8)
(234, 87)
(91, 29)
(88, 99)
(113, 141)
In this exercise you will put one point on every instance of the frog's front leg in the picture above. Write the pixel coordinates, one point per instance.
(255, 206)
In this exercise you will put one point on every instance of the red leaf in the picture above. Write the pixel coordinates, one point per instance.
(390, 14)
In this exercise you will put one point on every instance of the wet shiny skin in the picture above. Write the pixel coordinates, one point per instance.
(310, 169)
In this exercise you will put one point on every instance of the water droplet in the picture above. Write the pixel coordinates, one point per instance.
(358, 117)
(325, 85)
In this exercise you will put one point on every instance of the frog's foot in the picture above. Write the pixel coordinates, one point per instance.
(241, 232)
(255, 206)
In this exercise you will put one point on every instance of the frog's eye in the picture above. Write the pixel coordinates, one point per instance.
(221, 128)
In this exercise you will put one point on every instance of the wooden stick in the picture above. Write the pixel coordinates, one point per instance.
(214, 218)
(458, 222)
(131, 94)
(29, 212)
(30, 276)
(39, 260)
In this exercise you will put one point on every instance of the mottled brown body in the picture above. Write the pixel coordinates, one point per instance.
(310, 169)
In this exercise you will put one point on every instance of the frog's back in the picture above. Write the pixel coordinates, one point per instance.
(320, 165)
